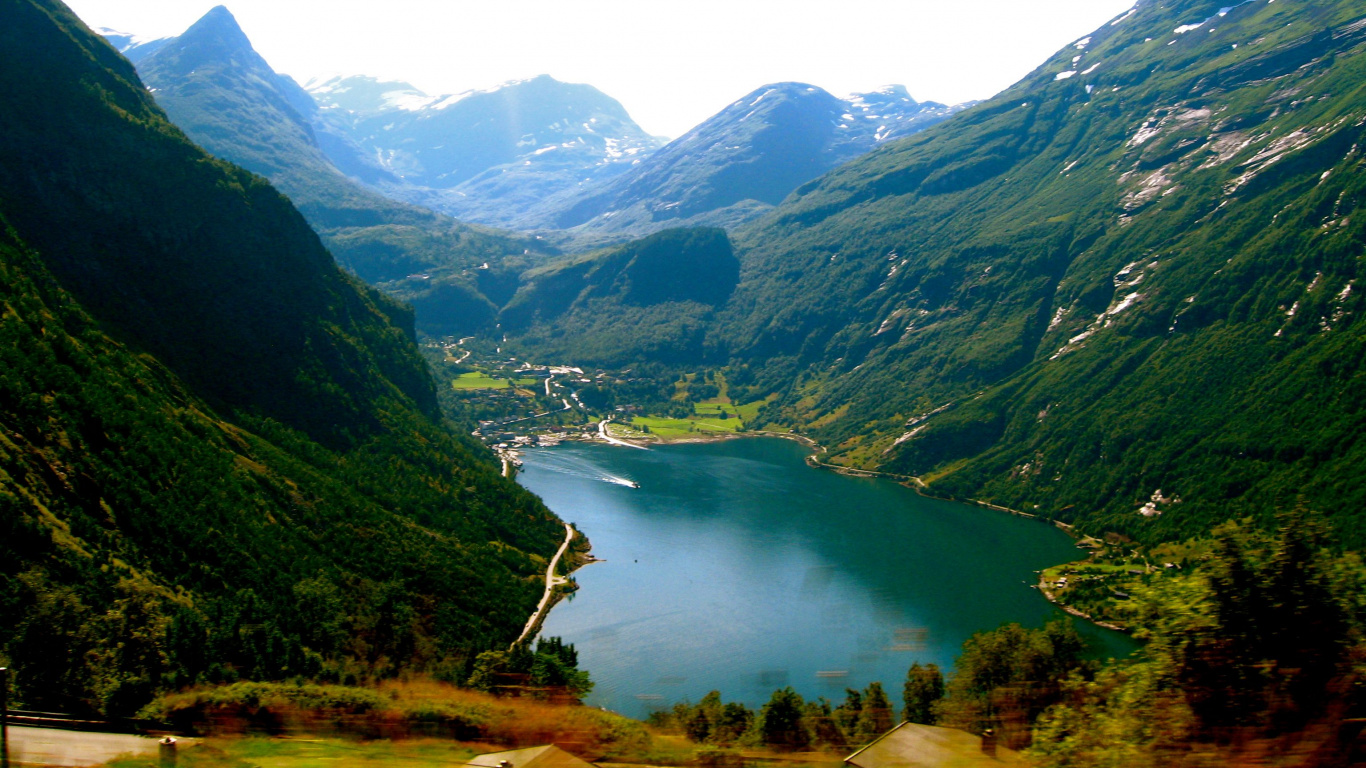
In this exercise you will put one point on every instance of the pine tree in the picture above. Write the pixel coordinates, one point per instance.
(876, 717)
(924, 687)
(780, 721)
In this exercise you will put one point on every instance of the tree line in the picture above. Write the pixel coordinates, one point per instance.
(1257, 651)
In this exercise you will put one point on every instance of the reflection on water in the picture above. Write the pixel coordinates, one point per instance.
(734, 566)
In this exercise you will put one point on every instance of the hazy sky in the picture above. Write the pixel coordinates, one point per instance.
(671, 63)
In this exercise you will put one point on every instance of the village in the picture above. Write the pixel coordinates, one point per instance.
(519, 404)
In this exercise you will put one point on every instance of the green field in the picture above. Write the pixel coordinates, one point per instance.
(707, 420)
(667, 429)
(480, 380)
(477, 380)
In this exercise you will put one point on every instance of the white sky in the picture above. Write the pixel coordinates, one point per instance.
(671, 63)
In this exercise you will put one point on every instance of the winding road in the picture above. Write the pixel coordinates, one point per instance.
(602, 432)
(551, 581)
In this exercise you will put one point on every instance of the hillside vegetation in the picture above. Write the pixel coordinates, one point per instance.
(649, 300)
(1123, 293)
(221, 457)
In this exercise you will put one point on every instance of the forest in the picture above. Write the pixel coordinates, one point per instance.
(221, 457)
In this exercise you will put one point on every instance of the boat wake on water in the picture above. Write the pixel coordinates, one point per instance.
(582, 469)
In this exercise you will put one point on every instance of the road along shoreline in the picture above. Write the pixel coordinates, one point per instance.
(533, 624)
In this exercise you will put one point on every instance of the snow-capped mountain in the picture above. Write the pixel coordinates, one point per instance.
(747, 158)
(134, 47)
(489, 156)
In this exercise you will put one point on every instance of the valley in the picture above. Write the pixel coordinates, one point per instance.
(448, 423)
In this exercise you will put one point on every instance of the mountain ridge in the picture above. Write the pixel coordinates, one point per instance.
(485, 155)
(1107, 296)
(216, 87)
(747, 158)
(221, 457)
(1008, 289)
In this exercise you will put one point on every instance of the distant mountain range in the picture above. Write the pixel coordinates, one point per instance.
(745, 159)
(487, 156)
(541, 154)
(219, 90)
(368, 160)
(1123, 294)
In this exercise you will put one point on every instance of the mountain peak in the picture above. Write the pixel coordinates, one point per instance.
(365, 95)
(217, 29)
(887, 94)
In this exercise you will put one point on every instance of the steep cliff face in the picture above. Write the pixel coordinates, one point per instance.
(220, 455)
(217, 88)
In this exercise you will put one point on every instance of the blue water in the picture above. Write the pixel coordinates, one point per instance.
(736, 567)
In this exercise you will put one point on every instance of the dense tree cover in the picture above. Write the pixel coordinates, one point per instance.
(923, 689)
(1005, 678)
(647, 301)
(549, 671)
(1258, 655)
(219, 456)
(786, 721)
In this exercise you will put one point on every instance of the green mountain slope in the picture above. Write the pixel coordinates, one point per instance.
(219, 90)
(1128, 279)
(651, 299)
(1123, 293)
(220, 456)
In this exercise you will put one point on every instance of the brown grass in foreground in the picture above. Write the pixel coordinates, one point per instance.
(402, 709)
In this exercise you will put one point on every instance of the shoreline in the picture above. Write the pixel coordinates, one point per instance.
(909, 481)
(533, 624)
(1048, 595)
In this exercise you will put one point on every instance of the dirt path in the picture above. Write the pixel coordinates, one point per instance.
(48, 746)
(551, 581)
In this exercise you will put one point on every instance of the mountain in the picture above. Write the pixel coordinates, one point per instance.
(651, 298)
(214, 85)
(1123, 294)
(221, 455)
(1119, 293)
(745, 159)
(488, 156)
(133, 47)
(226, 97)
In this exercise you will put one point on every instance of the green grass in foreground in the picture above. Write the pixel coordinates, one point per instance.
(308, 752)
